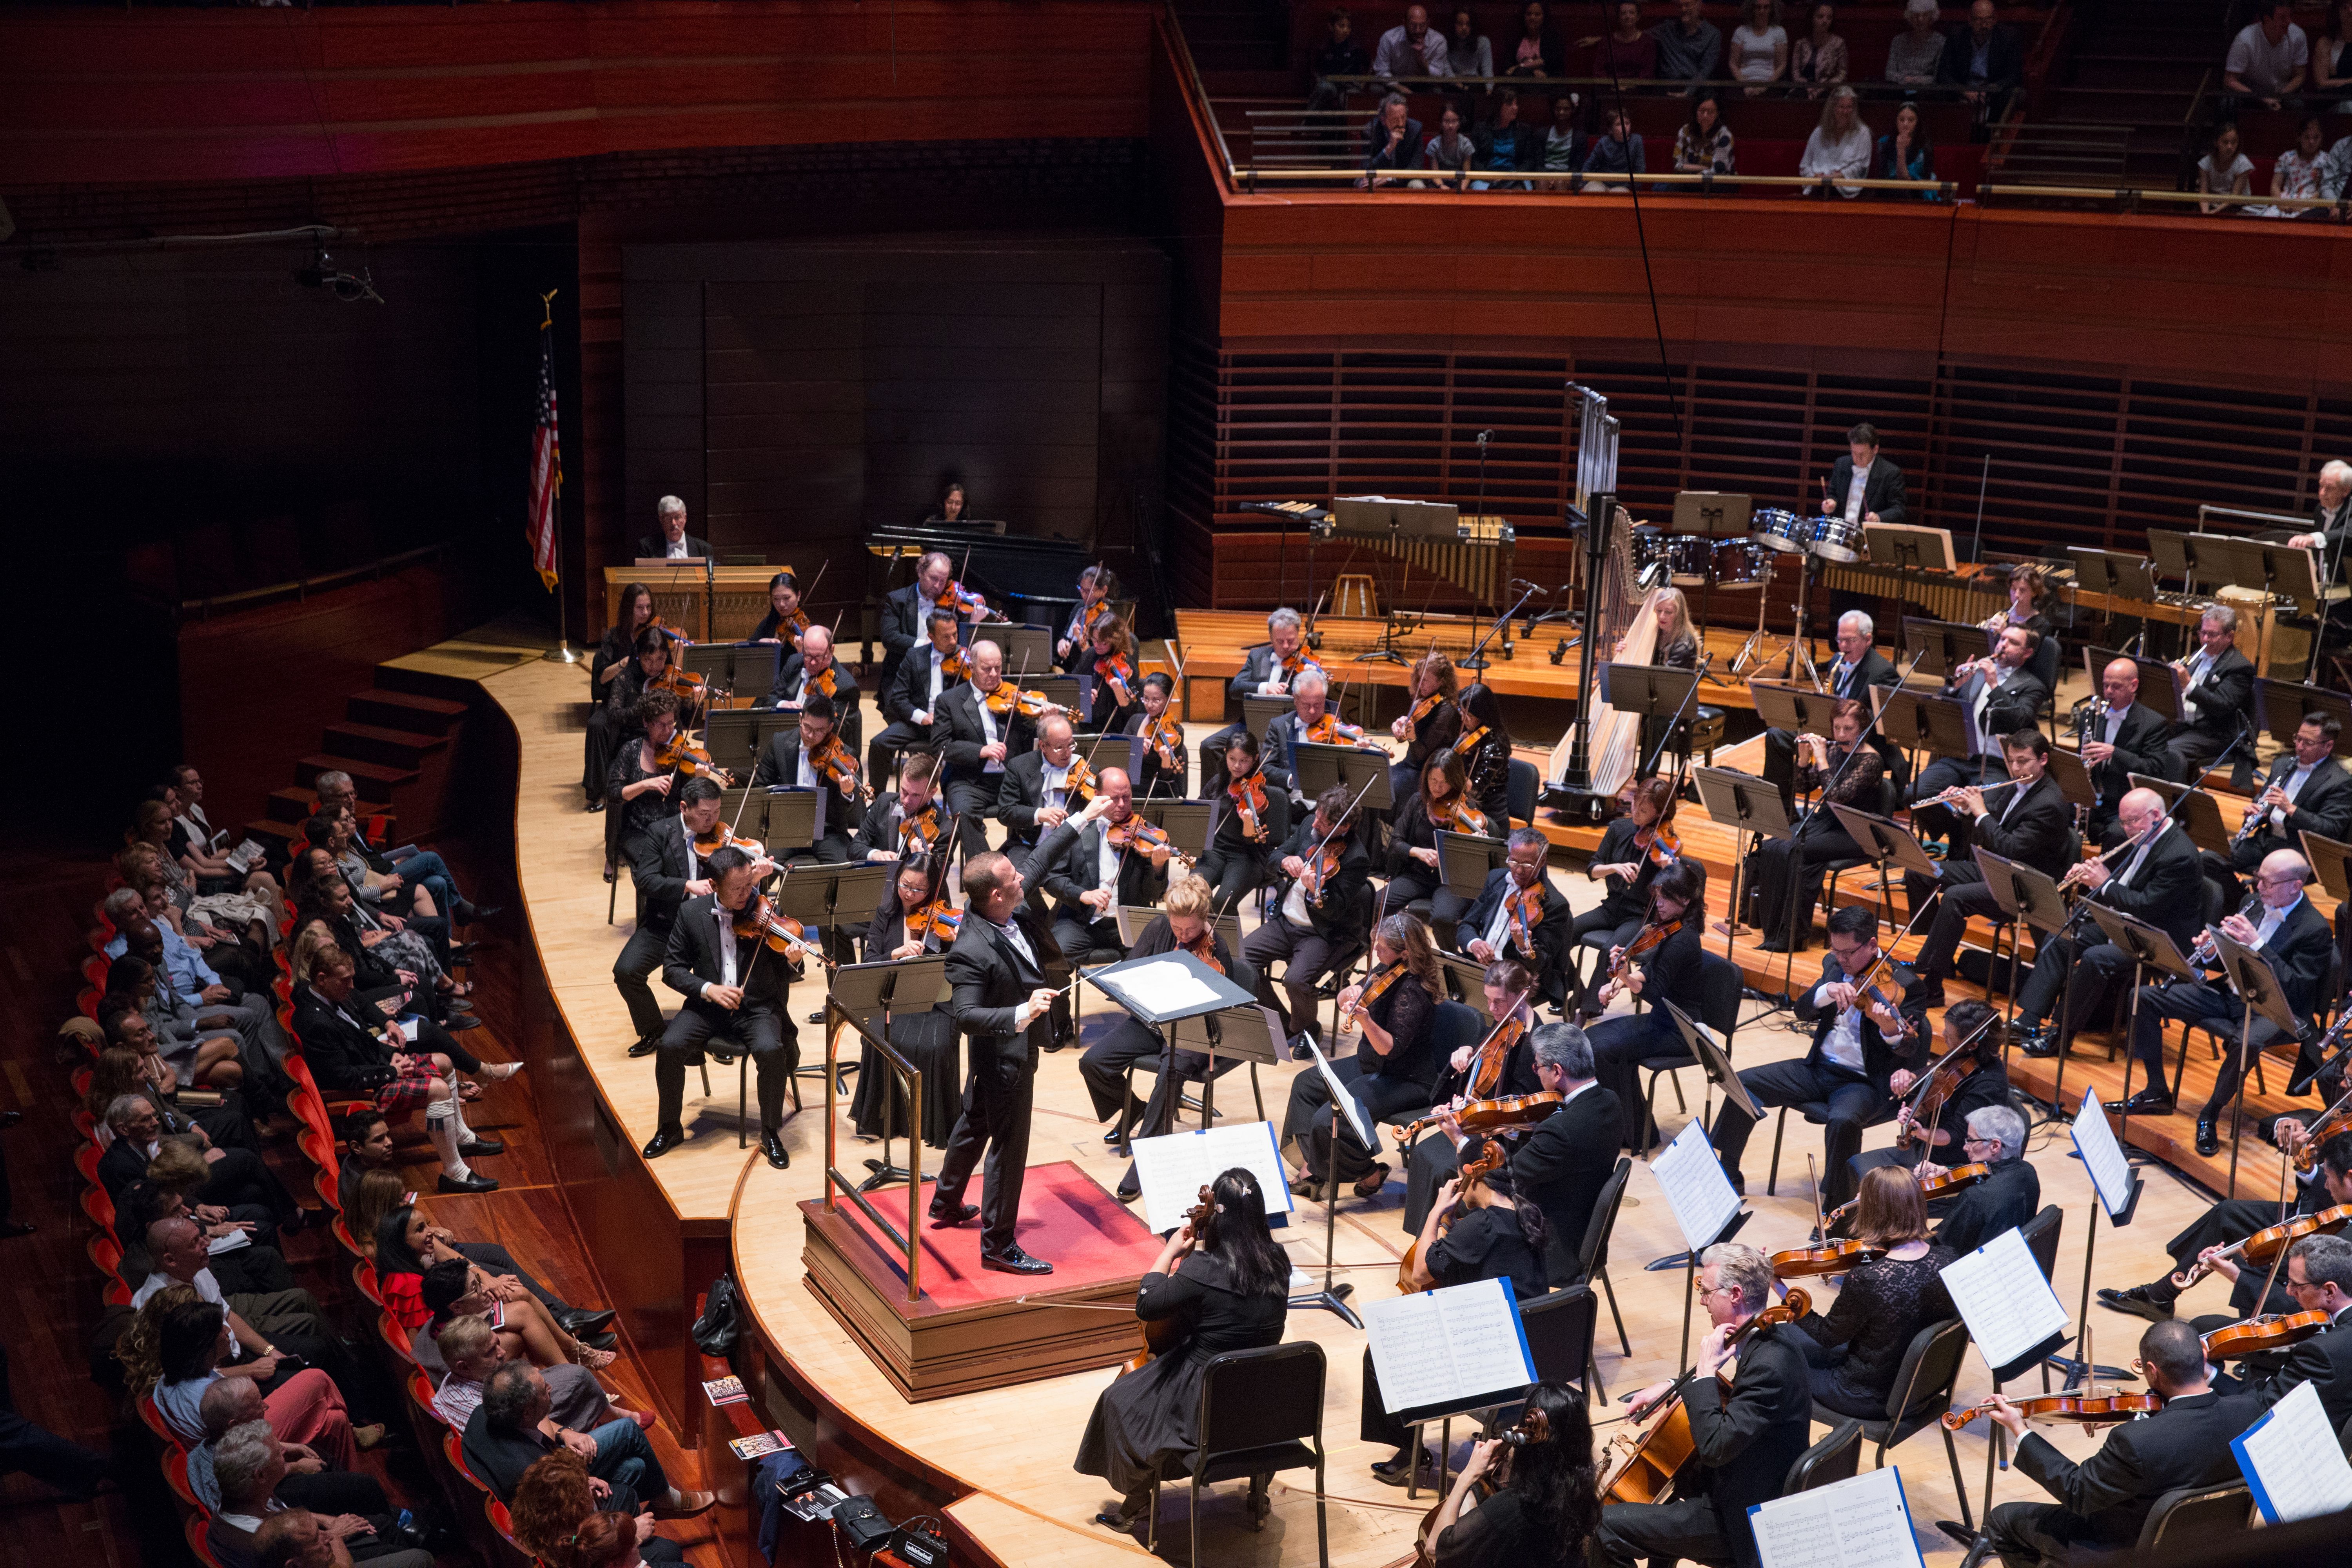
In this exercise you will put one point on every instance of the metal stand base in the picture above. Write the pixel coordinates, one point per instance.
(560, 654)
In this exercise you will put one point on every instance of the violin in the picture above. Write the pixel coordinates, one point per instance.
(689, 756)
(1161, 1335)
(955, 667)
(722, 837)
(919, 832)
(1943, 1184)
(1467, 743)
(1249, 801)
(1320, 870)
(1657, 843)
(1134, 833)
(2270, 1332)
(1410, 1276)
(1165, 736)
(1372, 990)
(1652, 935)
(1487, 1066)
(2073, 1405)
(2334, 1120)
(1297, 663)
(1032, 705)
(1118, 674)
(690, 689)
(1939, 1084)
(1204, 948)
(1461, 816)
(1644, 1464)
(937, 919)
(1498, 1115)
(833, 763)
(1829, 1257)
(758, 921)
(1328, 730)
(2264, 1244)
(957, 599)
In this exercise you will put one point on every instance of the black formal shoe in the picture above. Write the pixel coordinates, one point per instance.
(2209, 1139)
(582, 1322)
(474, 914)
(773, 1148)
(1012, 1260)
(817, 1016)
(1397, 1469)
(2040, 1043)
(2139, 1301)
(604, 1342)
(595, 805)
(12, 1227)
(476, 1146)
(449, 1183)
(662, 1142)
(457, 1022)
(646, 1047)
(2148, 1102)
(724, 1059)
(950, 1216)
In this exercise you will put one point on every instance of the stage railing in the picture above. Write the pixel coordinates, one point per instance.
(909, 1083)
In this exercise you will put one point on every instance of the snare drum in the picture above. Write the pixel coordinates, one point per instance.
(1835, 538)
(1741, 564)
(1784, 530)
(1690, 560)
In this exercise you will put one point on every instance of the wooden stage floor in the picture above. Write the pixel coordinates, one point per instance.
(1009, 1449)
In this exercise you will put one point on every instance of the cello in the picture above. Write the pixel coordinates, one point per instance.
(1643, 1465)
(1161, 1335)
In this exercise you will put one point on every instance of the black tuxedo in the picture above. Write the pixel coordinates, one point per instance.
(656, 546)
(2234, 1219)
(1743, 1444)
(2334, 528)
(2139, 749)
(906, 619)
(2015, 704)
(2031, 824)
(661, 863)
(1561, 1167)
(909, 690)
(988, 978)
(1549, 962)
(2167, 889)
(1882, 492)
(2323, 1360)
(2214, 714)
(906, 690)
(970, 788)
(1077, 870)
(1278, 749)
(791, 682)
(2323, 807)
(2002, 1201)
(691, 962)
(2103, 1500)
(341, 1055)
(1020, 795)
(1260, 665)
(1338, 927)
(2302, 953)
(780, 768)
(879, 830)
(1671, 972)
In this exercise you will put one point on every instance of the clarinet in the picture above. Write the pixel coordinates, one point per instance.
(2208, 953)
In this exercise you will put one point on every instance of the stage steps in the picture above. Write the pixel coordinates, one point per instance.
(396, 741)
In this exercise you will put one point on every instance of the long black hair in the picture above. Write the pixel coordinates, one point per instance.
(392, 1253)
(1555, 1482)
(620, 642)
(1685, 880)
(1532, 1225)
(1477, 700)
(1236, 1236)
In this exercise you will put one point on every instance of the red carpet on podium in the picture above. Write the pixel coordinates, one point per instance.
(1066, 1218)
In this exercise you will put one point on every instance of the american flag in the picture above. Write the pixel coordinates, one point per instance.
(546, 462)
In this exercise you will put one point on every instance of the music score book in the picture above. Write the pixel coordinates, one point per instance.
(2292, 1460)
(1695, 1187)
(2102, 1157)
(1172, 1168)
(2008, 1306)
(1342, 1102)
(1863, 1521)
(1442, 1352)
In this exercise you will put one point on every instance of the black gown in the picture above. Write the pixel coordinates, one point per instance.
(1147, 1423)
(598, 761)
(928, 1040)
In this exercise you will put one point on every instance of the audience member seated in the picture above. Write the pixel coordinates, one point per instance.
(1819, 59)
(1467, 52)
(177, 1352)
(249, 1465)
(1505, 145)
(254, 1268)
(2331, 65)
(194, 981)
(1411, 49)
(513, 1428)
(1390, 139)
(251, 915)
(1617, 152)
(414, 866)
(198, 1055)
(2298, 172)
(1535, 51)
(1690, 47)
(232, 1401)
(1760, 48)
(472, 1350)
(1915, 53)
(556, 1503)
(1904, 153)
(387, 951)
(1339, 56)
(2268, 59)
(2224, 172)
(1704, 144)
(1986, 59)
(410, 1254)
(231, 1177)
(1839, 148)
(1448, 153)
(260, 1324)
(129, 1063)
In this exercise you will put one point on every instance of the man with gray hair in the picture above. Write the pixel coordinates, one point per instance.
(2002, 1201)
(2319, 1277)
(235, 1402)
(1497, 926)
(669, 540)
(1565, 1163)
(1309, 721)
(1745, 1440)
(251, 1465)
(2217, 703)
(1859, 666)
(2332, 518)
(513, 1428)
(1267, 669)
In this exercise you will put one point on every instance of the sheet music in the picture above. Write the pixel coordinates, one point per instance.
(1860, 1523)
(2102, 1157)
(1173, 1168)
(2007, 1304)
(1344, 1101)
(2292, 1460)
(1450, 1347)
(1163, 986)
(1696, 1186)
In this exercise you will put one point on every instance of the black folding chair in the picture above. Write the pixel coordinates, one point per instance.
(1261, 1410)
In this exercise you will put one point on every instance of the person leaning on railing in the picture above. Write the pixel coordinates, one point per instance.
(1390, 141)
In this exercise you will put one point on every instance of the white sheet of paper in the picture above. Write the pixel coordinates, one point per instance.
(1860, 1523)
(2102, 1157)
(1449, 1346)
(1164, 986)
(2291, 1461)
(228, 1242)
(1346, 1103)
(1696, 1186)
(1172, 1169)
(2007, 1305)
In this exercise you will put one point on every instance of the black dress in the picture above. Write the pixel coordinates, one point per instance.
(1855, 1349)
(639, 814)
(1146, 1425)
(1380, 1085)
(1498, 1533)
(599, 764)
(1481, 1244)
(928, 1040)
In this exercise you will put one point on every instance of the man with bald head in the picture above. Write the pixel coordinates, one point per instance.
(2121, 736)
(2285, 928)
(2157, 880)
(1042, 788)
(812, 667)
(975, 744)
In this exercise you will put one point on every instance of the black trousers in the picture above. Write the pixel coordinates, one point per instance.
(1949, 772)
(632, 973)
(1781, 765)
(241, 1176)
(976, 804)
(1310, 955)
(1104, 1066)
(2199, 1004)
(768, 1034)
(882, 753)
(1852, 1103)
(2233, 1219)
(2094, 976)
(1620, 1045)
(995, 1121)
(1374, 1424)
(1233, 876)
(1593, 933)
(1687, 1529)
(1311, 1116)
(1786, 869)
(1097, 942)
(2027, 1534)
(2194, 750)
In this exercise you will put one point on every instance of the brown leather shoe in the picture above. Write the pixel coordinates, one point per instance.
(689, 1504)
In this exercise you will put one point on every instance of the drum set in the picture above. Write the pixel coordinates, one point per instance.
(1830, 538)
(1691, 560)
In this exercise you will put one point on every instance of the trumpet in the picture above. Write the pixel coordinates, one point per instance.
(1950, 795)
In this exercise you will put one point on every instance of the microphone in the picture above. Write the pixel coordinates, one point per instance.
(1484, 436)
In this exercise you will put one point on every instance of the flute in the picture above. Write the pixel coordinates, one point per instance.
(2101, 858)
(1950, 795)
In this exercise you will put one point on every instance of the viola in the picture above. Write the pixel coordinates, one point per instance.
(1943, 1184)
(1249, 802)
(1526, 905)
(1423, 708)
(1409, 1270)
(1467, 743)
(1134, 833)
(1641, 1467)
(1831, 1257)
(1320, 870)
(919, 831)
(1079, 784)
(833, 763)
(2264, 1244)
(1161, 1335)
(2270, 1332)
(1461, 816)
(827, 680)
(689, 756)
(1165, 736)
(757, 921)
(2073, 1405)
(681, 683)
(1008, 697)
(955, 667)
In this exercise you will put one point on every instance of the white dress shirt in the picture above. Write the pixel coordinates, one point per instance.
(677, 551)
(2293, 785)
(726, 942)
(1853, 491)
(988, 729)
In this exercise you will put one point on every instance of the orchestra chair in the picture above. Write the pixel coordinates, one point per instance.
(1559, 1329)
(1520, 793)
(728, 1047)
(1452, 1026)
(1817, 1112)
(1922, 1391)
(1825, 896)
(1261, 1410)
(1592, 1259)
(1721, 985)
(2198, 1516)
(1835, 1457)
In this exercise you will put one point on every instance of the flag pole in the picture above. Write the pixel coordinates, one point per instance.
(562, 652)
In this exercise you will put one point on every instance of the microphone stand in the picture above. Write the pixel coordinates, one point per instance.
(1502, 621)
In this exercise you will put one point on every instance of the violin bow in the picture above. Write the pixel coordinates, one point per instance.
(811, 587)
(1919, 1090)
(1820, 1228)
(2262, 1298)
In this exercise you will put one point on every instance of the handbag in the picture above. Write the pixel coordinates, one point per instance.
(715, 1331)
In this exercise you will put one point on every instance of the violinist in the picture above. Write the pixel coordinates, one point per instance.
(810, 756)
(2003, 1201)
(2209, 1237)
(1228, 1280)
(1485, 748)
(914, 917)
(666, 870)
(2318, 1278)
(1859, 666)
(1310, 720)
(1267, 670)
(1743, 1438)
(977, 744)
(1938, 1141)
(1322, 919)
(1625, 866)
(733, 988)
(1508, 987)
(911, 702)
(905, 611)
(1661, 964)
(1784, 875)
(813, 670)
(669, 540)
(2026, 820)
(1520, 915)
(1415, 870)
(1109, 863)
(2103, 1501)
(1042, 788)
(639, 785)
(1394, 1067)
(1860, 1038)
(1428, 727)
(1855, 1349)
(1075, 650)
(616, 650)
(787, 618)
(1114, 698)
(1544, 1507)
(1165, 764)
(912, 823)
(1253, 819)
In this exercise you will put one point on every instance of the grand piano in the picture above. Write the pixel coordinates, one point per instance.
(1034, 580)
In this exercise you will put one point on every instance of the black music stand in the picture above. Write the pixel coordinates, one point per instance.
(2115, 573)
(1257, 712)
(1112, 749)
(836, 899)
(1947, 645)
(2198, 816)
(1745, 804)
(1466, 859)
(2283, 704)
(795, 821)
(1889, 843)
(2157, 693)
(2028, 899)
(2328, 863)
(2151, 947)
(741, 668)
(1468, 977)
(2256, 983)
(895, 988)
(1918, 722)
(2073, 777)
(737, 736)
(1794, 708)
(2179, 555)
(1364, 772)
(1650, 690)
(1029, 649)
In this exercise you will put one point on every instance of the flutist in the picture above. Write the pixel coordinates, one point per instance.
(1998, 696)
(2026, 820)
